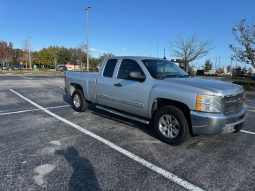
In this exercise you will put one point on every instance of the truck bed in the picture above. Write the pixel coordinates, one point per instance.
(87, 80)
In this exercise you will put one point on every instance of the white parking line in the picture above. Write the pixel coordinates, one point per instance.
(22, 111)
(55, 107)
(248, 132)
(25, 77)
(251, 110)
(28, 110)
(54, 77)
(132, 156)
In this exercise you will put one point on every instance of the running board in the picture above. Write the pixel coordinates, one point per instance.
(123, 115)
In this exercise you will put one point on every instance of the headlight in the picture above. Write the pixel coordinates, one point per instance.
(208, 103)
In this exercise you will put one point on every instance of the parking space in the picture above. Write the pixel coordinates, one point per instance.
(10, 103)
(40, 151)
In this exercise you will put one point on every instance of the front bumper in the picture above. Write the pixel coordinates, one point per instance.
(210, 123)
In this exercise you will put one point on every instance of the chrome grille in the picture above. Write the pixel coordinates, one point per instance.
(233, 103)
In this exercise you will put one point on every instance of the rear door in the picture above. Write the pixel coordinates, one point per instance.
(105, 81)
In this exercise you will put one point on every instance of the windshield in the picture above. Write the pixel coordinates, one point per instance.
(161, 69)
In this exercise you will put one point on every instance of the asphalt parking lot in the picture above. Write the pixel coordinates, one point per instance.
(46, 145)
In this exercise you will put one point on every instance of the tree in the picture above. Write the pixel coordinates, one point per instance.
(59, 55)
(229, 68)
(78, 55)
(64, 55)
(244, 34)
(45, 56)
(103, 56)
(208, 65)
(94, 62)
(190, 49)
(6, 51)
(26, 50)
(17, 55)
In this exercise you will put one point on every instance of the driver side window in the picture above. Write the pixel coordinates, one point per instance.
(127, 66)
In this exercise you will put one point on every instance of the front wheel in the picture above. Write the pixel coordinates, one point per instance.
(78, 101)
(171, 125)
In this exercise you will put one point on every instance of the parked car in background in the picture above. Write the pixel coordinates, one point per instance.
(4, 68)
(61, 68)
(16, 67)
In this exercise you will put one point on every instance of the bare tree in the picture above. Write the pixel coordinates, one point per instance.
(26, 49)
(244, 34)
(190, 49)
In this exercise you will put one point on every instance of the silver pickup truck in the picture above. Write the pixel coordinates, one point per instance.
(157, 92)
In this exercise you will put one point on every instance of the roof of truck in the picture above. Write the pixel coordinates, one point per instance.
(136, 57)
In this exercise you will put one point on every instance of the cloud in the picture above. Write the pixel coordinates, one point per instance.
(97, 50)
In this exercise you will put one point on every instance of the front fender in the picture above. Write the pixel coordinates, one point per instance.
(184, 95)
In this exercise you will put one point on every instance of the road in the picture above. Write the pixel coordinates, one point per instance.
(46, 145)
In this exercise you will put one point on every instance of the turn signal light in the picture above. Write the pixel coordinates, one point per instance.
(199, 107)
(199, 99)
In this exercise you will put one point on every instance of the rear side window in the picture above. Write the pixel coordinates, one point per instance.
(109, 68)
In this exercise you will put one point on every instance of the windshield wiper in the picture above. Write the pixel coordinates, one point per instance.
(165, 76)
(184, 76)
(172, 76)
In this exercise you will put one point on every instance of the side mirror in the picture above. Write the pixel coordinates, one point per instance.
(138, 76)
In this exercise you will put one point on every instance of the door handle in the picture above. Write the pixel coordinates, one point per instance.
(118, 84)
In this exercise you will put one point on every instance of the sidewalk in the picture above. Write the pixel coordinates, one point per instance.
(33, 74)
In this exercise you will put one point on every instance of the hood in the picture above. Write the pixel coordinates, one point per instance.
(214, 86)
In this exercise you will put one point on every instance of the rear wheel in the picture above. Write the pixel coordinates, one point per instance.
(171, 125)
(78, 101)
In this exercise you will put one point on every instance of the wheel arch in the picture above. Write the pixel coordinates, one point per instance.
(160, 102)
(74, 87)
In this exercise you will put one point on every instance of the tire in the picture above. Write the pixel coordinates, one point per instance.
(171, 125)
(78, 101)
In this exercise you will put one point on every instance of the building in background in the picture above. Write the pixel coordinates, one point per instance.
(72, 67)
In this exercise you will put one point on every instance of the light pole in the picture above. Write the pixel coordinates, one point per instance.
(157, 49)
(87, 35)
(164, 53)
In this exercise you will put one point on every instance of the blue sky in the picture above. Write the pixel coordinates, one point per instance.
(131, 27)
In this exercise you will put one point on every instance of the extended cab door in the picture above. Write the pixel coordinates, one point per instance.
(105, 81)
(124, 93)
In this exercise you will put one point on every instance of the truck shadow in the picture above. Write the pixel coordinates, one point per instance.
(66, 99)
(83, 176)
(148, 129)
(92, 107)
(141, 126)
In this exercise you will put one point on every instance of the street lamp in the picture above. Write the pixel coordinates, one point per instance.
(164, 53)
(87, 35)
